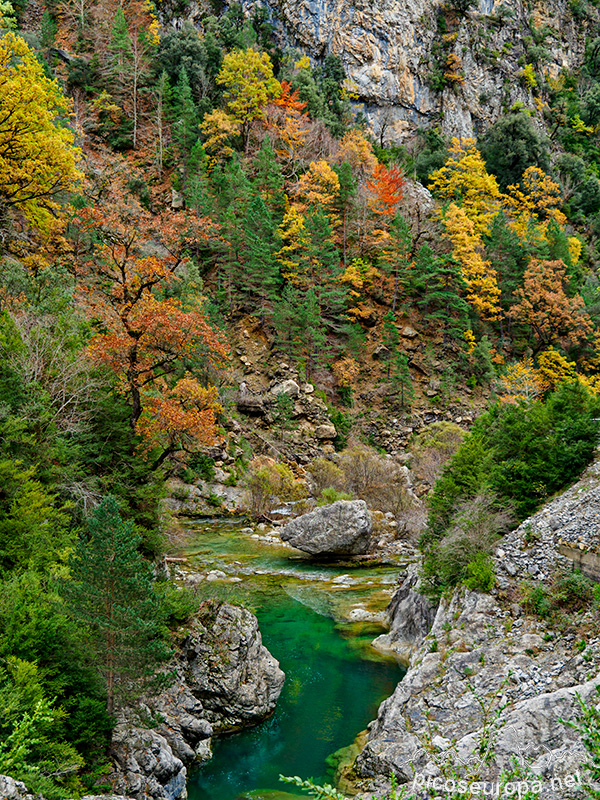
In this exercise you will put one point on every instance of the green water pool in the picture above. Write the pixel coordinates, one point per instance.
(318, 620)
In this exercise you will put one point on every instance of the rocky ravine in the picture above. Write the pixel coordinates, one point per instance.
(225, 679)
(477, 660)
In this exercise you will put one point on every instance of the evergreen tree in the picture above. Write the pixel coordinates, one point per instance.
(300, 330)
(442, 302)
(348, 186)
(268, 180)
(323, 269)
(111, 592)
(120, 46)
(185, 117)
(402, 382)
(390, 339)
(262, 273)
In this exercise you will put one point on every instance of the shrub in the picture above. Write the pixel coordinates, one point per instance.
(432, 448)
(268, 483)
(462, 556)
(480, 573)
(178, 604)
(331, 495)
(324, 474)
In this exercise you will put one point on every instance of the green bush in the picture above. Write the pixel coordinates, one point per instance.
(480, 573)
(331, 495)
(178, 604)
(569, 591)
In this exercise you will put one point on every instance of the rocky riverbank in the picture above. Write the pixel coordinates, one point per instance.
(225, 679)
(477, 664)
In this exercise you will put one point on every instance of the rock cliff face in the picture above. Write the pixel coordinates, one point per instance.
(387, 47)
(478, 661)
(225, 679)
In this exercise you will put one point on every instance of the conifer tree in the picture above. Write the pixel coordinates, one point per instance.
(391, 339)
(300, 330)
(262, 273)
(323, 270)
(402, 382)
(442, 301)
(111, 593)
(268, 180)
(185, 117)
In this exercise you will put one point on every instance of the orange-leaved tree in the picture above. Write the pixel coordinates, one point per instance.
(130, 268)
(544, 306)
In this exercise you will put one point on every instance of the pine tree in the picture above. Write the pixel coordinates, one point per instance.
(111, 593)
(262, 273)
(300, 329)
(185, 117)
(268, 180)
(323, 270)
(402, 382)
(443, 282)
(390, 339)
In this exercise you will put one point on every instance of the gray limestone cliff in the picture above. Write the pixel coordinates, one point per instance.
(391, 48)
(478, 663)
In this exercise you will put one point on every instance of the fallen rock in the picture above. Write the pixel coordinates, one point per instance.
(325, 432)
(288, 387)
(342, 529)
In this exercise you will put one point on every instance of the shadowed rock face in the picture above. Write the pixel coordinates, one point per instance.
(340, 529)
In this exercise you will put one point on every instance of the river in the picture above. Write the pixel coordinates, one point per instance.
(318, 620)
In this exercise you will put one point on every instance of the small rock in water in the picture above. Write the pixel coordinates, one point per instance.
(342, 579)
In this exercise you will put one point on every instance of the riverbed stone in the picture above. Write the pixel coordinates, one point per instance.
(342, 528)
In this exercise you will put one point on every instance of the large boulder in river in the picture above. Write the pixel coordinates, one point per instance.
(230, 670)
(340, 529)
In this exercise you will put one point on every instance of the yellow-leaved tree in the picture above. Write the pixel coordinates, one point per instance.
(249, 85)
(38, 159)
(483, 292)
(464, 179)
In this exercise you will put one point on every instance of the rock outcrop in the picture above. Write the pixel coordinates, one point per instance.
(230, 670)
(340, 529)
(397, 55)
(410, 617)
(478, 666)
(10, 789)
(225, 679)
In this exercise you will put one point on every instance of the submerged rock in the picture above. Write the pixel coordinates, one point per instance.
(341, 529)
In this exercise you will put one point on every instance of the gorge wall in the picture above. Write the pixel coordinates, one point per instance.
(392, 48)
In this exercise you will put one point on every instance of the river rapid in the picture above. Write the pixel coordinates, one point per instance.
(318, 620)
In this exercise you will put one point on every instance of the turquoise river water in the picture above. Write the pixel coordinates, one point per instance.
(318, 620)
